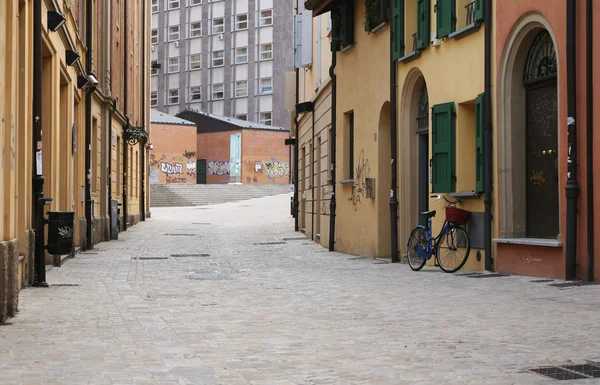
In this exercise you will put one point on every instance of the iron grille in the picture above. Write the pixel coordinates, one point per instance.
(541, 59)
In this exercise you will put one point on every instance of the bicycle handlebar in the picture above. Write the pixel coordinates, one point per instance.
(438, 197)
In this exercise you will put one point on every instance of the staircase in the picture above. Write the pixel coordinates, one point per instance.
(173, 195)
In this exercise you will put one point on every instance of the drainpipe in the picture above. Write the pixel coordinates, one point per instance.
(143, 111)
(487, 140)
(572, 188)
(125, 90)
(88, 127)
(111, 113)
(312, 178)
(38, 178)
(296, 161)
(332, 203)
(393, 139)
(590, 136)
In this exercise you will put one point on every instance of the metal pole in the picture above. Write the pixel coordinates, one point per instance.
(394, 150)
(572, 188)
(332, 203)
(36, 165)
(143, 111)
(590, 136)
(487, 139)
(88, 126)
(125, 102)
(296, 151)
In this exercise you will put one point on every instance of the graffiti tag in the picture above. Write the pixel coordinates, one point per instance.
(276, 169)
(218, 168)
(174, 168)
(359, 188)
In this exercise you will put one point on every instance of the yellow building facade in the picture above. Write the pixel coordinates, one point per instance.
(64, 126)
(436, 50)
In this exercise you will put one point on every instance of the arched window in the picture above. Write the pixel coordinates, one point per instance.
(541, 59)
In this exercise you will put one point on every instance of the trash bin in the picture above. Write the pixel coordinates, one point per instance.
(61, 230)
(114, 219)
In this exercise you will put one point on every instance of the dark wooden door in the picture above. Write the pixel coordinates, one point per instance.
(423, 176)
(542, 162)
(201, 171)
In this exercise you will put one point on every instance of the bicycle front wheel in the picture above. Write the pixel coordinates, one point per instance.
(452, 251)
(417, 245)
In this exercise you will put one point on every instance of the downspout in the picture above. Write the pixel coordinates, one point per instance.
(125, 112)
(332, 204)
(296, 160)
(111, 113)
(38, 178)
(572, 188)
(394, 150)
(88, 126)
(143, 112)
(487, 139)
(590, 136)
(312, 178)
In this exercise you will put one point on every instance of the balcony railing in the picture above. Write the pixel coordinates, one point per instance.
(471, 13)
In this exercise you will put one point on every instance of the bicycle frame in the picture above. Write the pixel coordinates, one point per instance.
(432, 242)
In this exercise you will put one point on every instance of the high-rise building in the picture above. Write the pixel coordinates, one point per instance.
(226, 57)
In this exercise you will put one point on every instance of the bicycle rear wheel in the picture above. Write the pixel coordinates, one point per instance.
(417, 245)
(452, 251)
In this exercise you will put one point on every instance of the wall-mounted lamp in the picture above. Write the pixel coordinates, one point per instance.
(71, 57)
(55, 20)
(82, 81)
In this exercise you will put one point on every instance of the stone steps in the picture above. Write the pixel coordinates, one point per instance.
(178, 195)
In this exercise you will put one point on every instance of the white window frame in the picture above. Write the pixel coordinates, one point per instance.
(220, 85)
(172, 97)
(262, 119)
(154, 36)
(173, 68)
(171, 34)
(195, 2)
(238, 22)
(238, 56)
(171, 2)
(221, 26)
(240, 116)
(194, 62)
(264, 18)
(241, 86)
(153, 71)
(265, 55)
(154, 6)
(222, 58)
(192, 93)
(153, 99)
(261, 86)
(196, 32)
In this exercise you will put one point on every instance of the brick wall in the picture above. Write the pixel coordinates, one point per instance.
(173, 158)
(265, 157)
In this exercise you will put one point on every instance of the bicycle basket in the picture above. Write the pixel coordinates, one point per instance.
(456, 215)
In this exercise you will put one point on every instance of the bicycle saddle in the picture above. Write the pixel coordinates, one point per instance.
(428, 214)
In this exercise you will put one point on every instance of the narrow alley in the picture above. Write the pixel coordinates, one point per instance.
(227, 294)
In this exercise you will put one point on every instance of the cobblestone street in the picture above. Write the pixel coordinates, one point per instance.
(229, 294)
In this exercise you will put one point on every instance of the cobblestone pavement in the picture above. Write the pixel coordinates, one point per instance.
(228, 303)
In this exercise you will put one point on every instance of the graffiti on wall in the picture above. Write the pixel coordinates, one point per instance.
(154, 175)
(171, 168)
(276, 169)
(325, 199)
(176, 179)
(218, 168)
(361, 173)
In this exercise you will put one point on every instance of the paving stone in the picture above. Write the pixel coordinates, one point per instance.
(283, 314)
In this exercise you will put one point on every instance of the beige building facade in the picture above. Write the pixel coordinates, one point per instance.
(81, 138)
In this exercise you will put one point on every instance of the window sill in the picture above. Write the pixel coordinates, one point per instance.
(410, 57)
(346, 181)
(379, 27)
(347, 48)
(465, 195)
(529, 242)
(466, 31)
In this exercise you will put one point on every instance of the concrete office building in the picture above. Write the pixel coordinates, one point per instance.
(225, 57)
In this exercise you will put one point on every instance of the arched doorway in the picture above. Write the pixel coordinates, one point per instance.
(414, 154)
(528, 137)
(539, 80)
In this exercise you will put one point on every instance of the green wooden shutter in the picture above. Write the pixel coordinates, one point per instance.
(348, 22)
(423, 23)
(446, 17)
(479, 8)
(443, 143)
(398, 28)
(336, 35)
(479, 142)
(383, 9)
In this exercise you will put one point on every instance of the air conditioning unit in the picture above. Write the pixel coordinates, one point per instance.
(220, 36)
(176, 44)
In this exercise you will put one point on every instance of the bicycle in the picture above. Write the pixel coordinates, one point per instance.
(451, 241)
